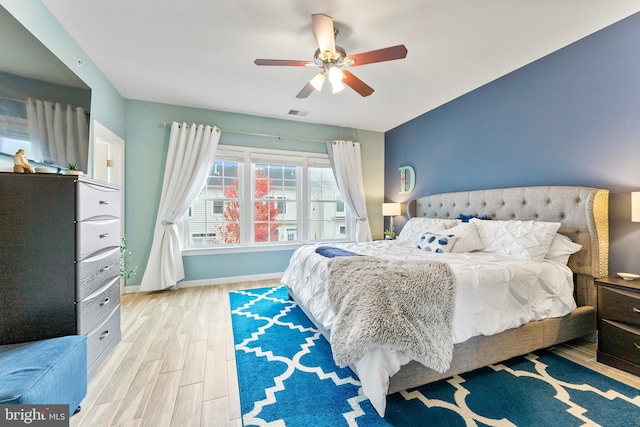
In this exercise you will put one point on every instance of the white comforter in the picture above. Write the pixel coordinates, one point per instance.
(493, 293)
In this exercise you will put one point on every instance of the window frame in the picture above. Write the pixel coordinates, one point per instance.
(250, 156)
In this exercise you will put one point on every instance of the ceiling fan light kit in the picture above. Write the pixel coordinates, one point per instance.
(336, 86)
(331, 59)
(317, 81)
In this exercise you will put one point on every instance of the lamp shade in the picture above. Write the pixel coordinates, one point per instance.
(391, 209)
(337, 86)
(317, 81)
(635, 206)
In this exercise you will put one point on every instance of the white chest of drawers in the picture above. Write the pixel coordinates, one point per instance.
(59, 261)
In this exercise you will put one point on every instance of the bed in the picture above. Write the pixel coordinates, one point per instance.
(581, 214)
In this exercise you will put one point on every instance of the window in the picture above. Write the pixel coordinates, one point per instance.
(272, 182)
(204, 238)
(214, 216)
(12, 145)
(291, 234)
(326, 210)
(14, 132)
(280, 203)
(266, 197)
(218, 207)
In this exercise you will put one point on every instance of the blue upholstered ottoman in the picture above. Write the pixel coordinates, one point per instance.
(52, 371)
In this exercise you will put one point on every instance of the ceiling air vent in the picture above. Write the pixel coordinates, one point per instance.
(298, 113)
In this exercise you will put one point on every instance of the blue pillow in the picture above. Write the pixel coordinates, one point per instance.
(438, 243)
(330, 251)
(466, 218)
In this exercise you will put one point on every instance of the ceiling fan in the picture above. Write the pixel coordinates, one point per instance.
(332, 59)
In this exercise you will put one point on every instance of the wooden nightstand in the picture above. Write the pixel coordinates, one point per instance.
(619, 323)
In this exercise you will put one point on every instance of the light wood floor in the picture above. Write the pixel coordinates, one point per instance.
(175, 365)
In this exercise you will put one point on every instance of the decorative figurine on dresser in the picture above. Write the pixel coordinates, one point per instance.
(59, 261)
(21, 163)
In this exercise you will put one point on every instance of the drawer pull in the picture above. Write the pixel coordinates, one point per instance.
(102, 236)
(637, 346)
(104, 335)
(635, 310)
(105, 302)
(104, 202)
(105, 268)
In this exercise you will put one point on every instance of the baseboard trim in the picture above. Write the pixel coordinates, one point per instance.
(216, 281)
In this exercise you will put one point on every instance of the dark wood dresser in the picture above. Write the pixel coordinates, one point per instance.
(619, 323)
(60, 261)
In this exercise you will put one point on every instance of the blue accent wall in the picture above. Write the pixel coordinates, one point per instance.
(570, 118)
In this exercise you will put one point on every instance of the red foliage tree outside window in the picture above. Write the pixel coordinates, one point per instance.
(231, 214)
(266, 212)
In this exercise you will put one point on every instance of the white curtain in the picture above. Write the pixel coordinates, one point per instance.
(59, 134)
(347, 169)
(191, 153)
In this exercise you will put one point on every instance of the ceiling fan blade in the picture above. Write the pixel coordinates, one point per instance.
(283, 62)
(323, 27)
(306, 91)
(379, 55)
(356, 84)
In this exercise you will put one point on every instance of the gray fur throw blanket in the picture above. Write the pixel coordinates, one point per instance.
(399, 305)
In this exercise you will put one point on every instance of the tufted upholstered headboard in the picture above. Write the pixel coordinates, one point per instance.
(583, 213)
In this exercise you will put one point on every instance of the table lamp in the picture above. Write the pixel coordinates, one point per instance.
(391, 210)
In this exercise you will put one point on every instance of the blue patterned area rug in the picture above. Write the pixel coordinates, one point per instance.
(287, 377)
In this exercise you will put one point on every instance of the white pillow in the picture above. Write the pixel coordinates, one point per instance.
(519, 239)
(561, 249)
(439, 243)
(415, 227)
(468, 239)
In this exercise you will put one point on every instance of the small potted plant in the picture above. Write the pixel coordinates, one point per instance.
(74, 169)
(389, 235)
(126, 270)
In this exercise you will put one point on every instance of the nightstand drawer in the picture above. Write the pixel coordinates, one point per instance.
(619, 340)
(619, 305)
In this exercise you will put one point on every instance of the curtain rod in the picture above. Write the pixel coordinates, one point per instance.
(264, 135)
